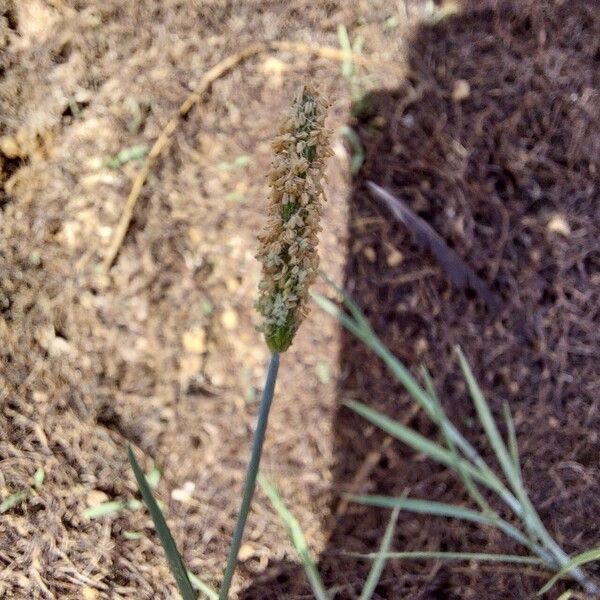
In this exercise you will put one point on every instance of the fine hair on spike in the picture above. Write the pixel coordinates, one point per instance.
(288, 244)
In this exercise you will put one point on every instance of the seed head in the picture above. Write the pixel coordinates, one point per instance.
(288, 244)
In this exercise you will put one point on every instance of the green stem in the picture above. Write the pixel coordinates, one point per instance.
(251, 473)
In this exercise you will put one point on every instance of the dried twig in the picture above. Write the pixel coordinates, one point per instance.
(425, 236)
(209, 77)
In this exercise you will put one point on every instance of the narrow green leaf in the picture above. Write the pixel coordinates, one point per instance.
(134, 504)
(134, 535)
(512, 439)
(13, 500)
(358, 152)
(127, 154)
(391, 22)
(417, 441)
(441, 418)
(487, 421)
(441, 509)
(530, 518)
(202, 587)
(38, 478)
(329, 307)
(103, 509)
(175, 562)
(479, 556)
(344, 40)
(425, 507)
(379, 563)
(354, 309)
(576, 561)
(297, 537)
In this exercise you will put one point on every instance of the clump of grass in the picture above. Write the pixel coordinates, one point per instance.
(460, 456)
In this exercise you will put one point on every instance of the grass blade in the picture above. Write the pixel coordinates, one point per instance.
(418, 442)
(13, 500)
(251, 474)
(355, 311)
(488, 423)
(297, 537)
(359, 326)
(166, 539)
(344, 41)
(441, 509)
(580, 559)
(464, 476)
(379, 563)
(104, 508)
(428, 555)
(330, 308)
(531, 519)
(425, 507)
(202, 587)
(125, 155)
(512, 439)
(358, 153)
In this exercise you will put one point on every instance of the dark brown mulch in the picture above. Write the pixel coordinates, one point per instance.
(493, 171)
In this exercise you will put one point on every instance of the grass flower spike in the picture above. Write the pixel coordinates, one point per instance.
(288, 245)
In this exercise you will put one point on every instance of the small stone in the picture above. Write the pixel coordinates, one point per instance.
(421, 346)
(273, 65)
(35, 258)
(189, 366)
(379, 121)
(229, 319)
(395, 258)
(370, 254)
(59, 346)
(322, 372)
(247, 551)
(195, 235)
(184, 493)
(194, 340)
(9, 147)
(71, 233)
(461, 90)
(558, 224)
(105, 231)
(39, 397)
(88, 593)
(96, 497)
(232, 285)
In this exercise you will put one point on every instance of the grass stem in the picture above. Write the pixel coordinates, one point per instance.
(251, 473)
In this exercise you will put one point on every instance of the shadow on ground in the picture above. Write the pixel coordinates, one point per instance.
(494, 141)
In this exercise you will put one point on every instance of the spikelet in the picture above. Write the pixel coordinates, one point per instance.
(288, 244)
